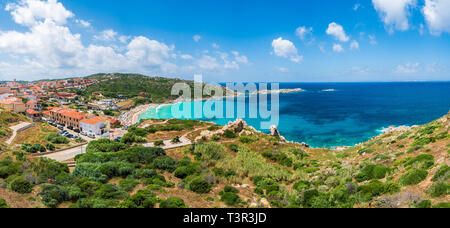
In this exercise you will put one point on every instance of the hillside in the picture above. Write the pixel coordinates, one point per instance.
(151, 89)
(235, 166)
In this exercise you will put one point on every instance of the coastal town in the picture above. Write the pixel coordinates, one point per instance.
(57, 103)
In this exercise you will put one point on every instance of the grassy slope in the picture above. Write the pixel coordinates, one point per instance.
(327, 170)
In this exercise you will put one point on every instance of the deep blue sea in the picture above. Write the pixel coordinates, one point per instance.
(350, 113)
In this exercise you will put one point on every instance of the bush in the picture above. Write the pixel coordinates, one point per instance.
(53, 195)
(21, 185)
(366, 151)
(439, 189)
(165, 163)
(247, 139)
(423, 161)
(56, 139)
(442, 174)
(413, 177)
(229, 134)
(230, 198)
(208, 151)
(234, 148)
(176, 140)
(424, 204)
(442, 205)
(50, 147)
(3, 203)
(159, 143)
(142, 199)
(230, 189)
(185, 171)
(128, 185)
(109, 191)
(372, 172)
(104, 145)
(172, 202)
(200, 186)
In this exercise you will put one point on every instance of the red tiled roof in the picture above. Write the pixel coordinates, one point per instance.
(32, 112)
(94, 120)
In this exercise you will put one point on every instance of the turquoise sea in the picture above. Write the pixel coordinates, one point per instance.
(344, 114)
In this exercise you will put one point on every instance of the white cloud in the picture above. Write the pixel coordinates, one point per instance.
(197, 38)
(356, 6)
(239, 58)
(373, 40)
(208, 63)
(302, 32)
(394, 13)
(216, 46)
(283, 69)
(338, 48)
(83, 23)
(286, 49)
(31, 12)
(408, 68)
(437, 16)
(354, 45)
(124, 39)
(107, 35)
(150, 53)
(338, 32)
(186, 56)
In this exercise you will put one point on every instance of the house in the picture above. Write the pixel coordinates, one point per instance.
(67, 117)
(13, 104)
(32, 114)
(32, 104)
(95, 125)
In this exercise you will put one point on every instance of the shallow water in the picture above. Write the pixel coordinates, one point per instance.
(345, 114)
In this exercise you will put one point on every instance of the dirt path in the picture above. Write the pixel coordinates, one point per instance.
(67, 154)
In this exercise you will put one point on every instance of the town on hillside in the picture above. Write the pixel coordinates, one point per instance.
(59, 104)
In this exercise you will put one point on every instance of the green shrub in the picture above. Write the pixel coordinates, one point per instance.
(247, 139)
(413, 177)
(366, 151)
(91, 171)
(423, 161)
(176, 140)
(423, 204)
(109, 191)
(230, 134)
(184, 171)
(128, 185)
(234, 148)
(165, 163)
(372, 172)
(21, 185)
(3, 203)
(159, 143)
(230, 198)
(56, 139)
(104, 145)
(301, 185)
(442, 174)
(172, 202)
(442, 205)
(230, 189)
(50, 147)
(142, 199)
(200, 186)
(439, 189)
(208, 151)
(49, 169)
(215, 138)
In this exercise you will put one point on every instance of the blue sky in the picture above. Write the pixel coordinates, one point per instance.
(297, 41)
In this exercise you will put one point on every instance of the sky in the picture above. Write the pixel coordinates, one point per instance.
(227, 40)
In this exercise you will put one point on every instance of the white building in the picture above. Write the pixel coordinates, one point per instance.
(95, 125)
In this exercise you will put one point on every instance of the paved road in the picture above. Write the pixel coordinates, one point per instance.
(67, 154)
(15, 128)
